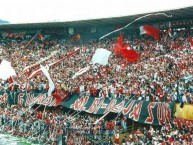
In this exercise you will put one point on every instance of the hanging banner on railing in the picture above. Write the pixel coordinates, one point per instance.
(27, 99)
(154, 113)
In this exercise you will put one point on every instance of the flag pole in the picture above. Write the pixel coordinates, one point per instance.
(96, 122)
(32, 39)
(44, 112)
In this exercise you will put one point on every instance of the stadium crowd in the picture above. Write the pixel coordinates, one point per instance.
(54, 126)
(163, 73)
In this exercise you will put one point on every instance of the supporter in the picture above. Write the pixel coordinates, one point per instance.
(158, 82)
(138, 133)
(117, 138)
(163, 73)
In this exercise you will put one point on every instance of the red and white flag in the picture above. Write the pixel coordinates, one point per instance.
(150, 30)
(34, 73)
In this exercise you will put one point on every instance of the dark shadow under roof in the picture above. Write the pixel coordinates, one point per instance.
(178, 14)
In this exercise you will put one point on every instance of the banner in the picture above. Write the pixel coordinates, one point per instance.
(154, 113)
(27, 99)
(186, 112)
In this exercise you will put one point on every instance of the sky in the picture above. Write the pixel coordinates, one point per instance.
(37, 11)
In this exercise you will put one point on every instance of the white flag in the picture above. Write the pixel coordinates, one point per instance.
(6, 70)
(101, 56)
(51, 84)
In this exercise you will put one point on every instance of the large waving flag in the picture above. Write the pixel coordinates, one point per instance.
(51, 84)
(119, 44)
(150, 30)
(131, 55)
(125, 50)
(6, 70)
(35, 73)
(120, 40)
(101, 56)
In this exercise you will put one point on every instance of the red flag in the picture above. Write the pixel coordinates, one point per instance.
(35, 73)
(120, 40)
(119, 44)
(190, 40)
(118, 49)
(131, 55)
(150, 30)
(125, 50)
(58, 98)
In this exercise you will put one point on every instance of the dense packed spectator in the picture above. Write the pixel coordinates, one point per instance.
(163, 73)
(160, 75)
(52, 126)
(176, 132)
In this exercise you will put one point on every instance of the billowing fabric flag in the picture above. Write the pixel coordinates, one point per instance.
(6, 70)
(131, 55)
(39, 62)
(125, 50)
(38, 71)
(118, 49)
(51, 84)
(101, 56)
(120, 40)
(35, 73)
(150, 30)
(119, 44)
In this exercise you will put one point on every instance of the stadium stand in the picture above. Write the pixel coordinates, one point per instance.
(160, 76)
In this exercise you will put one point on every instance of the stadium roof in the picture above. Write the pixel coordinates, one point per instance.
(178, 14)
